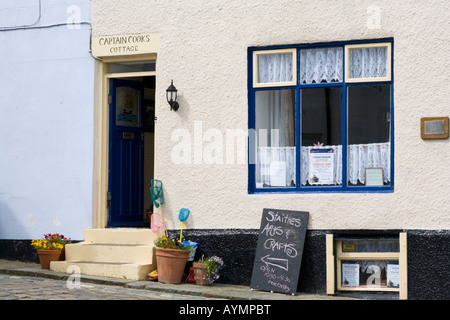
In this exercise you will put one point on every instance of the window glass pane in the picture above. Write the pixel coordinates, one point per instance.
(363, 274)
(368, 132)
(124, 67)
(370, 245)
(275, 68)
(275, 134)
(321, 65)
(321, 148)
(368, 62)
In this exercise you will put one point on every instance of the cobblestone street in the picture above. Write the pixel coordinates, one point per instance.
(31, 288)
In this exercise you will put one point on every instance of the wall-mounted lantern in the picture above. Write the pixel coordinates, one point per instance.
(171, 94)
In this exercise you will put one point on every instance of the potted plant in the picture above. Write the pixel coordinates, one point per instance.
(50, 248)
(171, 258)
(206, 270)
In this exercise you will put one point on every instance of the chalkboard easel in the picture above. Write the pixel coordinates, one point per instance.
(279, 250)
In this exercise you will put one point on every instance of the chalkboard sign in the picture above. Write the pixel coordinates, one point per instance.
(279, 250)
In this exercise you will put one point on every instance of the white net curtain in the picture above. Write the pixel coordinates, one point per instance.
(275, 68)
(321, 65)
(364, 156)
(268, 157)
(360, 157)
(368, 62)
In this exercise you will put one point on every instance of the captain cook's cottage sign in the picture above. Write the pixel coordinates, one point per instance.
(117, 45)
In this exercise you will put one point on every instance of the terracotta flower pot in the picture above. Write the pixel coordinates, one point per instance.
(171, 264)
(46, 256)
(201, 278)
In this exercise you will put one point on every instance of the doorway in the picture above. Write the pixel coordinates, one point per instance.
(131, 102)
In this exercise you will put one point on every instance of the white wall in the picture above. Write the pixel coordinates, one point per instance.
(46, 121)
(203, 48)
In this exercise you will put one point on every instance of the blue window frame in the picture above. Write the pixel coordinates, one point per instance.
(321, 117)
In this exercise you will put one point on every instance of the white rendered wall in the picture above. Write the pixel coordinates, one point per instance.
(46, 119)
(203, 48)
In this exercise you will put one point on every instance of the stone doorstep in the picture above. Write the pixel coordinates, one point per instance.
(126, 271)
(110, 253)
(131, 236)
(122, 253)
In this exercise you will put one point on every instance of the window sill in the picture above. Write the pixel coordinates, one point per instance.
(337, 189)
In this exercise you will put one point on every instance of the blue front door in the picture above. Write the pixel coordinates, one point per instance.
(125, 185)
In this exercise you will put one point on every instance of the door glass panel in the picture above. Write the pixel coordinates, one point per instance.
(127, 106)
(125, 67)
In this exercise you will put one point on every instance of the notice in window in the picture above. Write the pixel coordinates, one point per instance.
(278, 174)
(321, 166)
(392, 275)
(350, 274)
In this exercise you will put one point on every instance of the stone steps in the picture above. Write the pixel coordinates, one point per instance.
(125, 253)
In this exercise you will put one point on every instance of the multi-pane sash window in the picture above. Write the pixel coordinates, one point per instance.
(321, 117)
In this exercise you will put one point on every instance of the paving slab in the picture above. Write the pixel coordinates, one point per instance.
(215, 291)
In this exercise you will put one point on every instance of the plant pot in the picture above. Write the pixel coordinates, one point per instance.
(171, 264)
(201, 278)
(46, 256)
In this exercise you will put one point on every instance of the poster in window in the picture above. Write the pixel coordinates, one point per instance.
(127, 107)
(350, 274)
(321, 166)
(392, 275)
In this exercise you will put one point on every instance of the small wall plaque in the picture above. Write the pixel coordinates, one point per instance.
(434, 128)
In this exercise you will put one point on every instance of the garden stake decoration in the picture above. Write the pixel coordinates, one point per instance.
(182, 216)
(157, 197)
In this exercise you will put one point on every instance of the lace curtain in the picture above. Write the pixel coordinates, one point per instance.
(368, 62)
(267, 156)
(321, 65)
(275, 68)
(359, 157)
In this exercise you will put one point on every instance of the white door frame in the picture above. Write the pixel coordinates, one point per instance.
(101, 131)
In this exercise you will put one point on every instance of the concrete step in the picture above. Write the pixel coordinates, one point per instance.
(128, 271)
(110, 253)
(120, 236)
